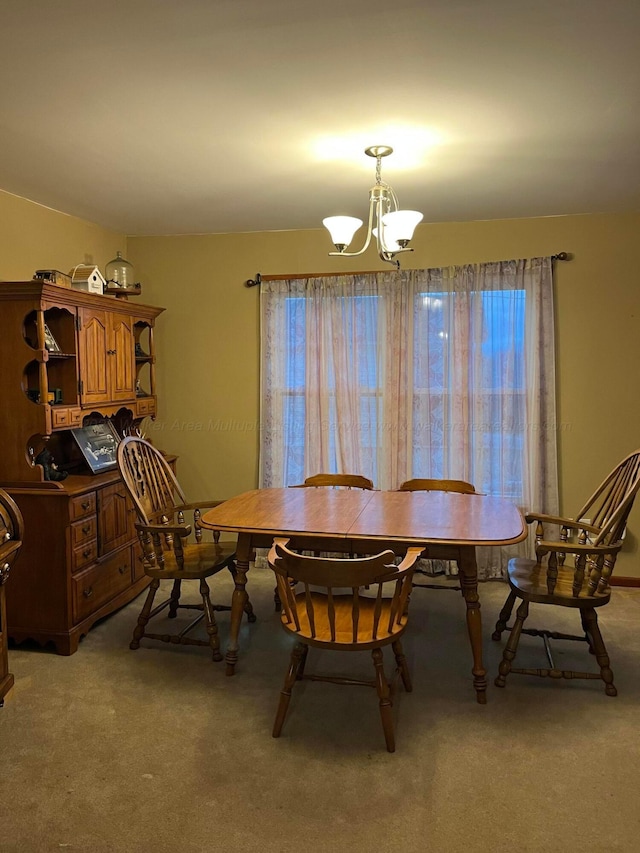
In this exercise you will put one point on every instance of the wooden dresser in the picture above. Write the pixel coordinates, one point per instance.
(79, 560)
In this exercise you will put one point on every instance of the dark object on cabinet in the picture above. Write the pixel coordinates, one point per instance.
(51, 471)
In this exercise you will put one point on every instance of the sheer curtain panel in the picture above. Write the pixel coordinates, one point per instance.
(415, 373)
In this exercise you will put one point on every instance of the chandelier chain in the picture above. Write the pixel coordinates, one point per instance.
(378, 170)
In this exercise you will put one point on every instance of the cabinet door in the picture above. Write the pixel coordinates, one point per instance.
(121, 358)
(93, 343)
(116, 518)
(107, 362)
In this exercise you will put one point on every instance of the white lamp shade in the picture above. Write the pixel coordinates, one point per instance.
(342, 228)
(400, 224)
(390, 242)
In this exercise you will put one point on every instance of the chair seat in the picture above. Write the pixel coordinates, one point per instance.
(343, 606)
(200, 561)
(528, 579)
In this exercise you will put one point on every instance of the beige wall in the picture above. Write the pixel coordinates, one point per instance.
(33, 238)
(208, 338)
(208, 341)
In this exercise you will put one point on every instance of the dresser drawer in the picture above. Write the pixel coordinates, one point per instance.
(83, 531)
(84, 554)
(99, 584)
(82, 505)
(146, 406)
(65, 418)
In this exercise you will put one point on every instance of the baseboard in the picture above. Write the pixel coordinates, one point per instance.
(621, 581)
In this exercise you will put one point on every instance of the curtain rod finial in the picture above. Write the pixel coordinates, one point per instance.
(562, 256)
(254, 282)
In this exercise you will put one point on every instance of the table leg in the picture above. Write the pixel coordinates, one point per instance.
(238, 600)
(469, 583)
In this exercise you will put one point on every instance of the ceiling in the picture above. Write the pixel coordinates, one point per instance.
(205, 116)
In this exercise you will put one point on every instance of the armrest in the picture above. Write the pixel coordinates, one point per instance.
(407, 564)
(199, 505)
(410, 559)
(560, 520)
(177, 529)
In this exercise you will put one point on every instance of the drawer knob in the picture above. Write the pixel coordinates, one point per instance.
(86, 528)
(123, 569)
(86, 552)
(85, 504)
(88, 592)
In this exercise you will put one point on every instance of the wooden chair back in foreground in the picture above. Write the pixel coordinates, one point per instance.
(593, 540)
(337, 481)
(345, 605)
(431, 485)
(170, 551)
(11, 536)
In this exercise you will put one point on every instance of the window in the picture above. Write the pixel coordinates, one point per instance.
(425, 373)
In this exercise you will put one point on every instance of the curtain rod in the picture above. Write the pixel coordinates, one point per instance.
(255, 282)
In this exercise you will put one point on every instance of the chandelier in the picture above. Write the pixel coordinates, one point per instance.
(392, 228)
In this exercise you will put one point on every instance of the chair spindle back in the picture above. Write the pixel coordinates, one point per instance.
(325, 579)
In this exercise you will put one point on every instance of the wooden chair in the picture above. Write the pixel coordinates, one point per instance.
(597, 537)
(11, 536)
(430, 485)
(325, 615)
(168, 553)
(336, 481)
(331, 481)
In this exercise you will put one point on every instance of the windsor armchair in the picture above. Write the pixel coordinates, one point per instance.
(173, 549)
(593, 540)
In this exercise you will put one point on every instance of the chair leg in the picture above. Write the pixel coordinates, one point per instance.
(210, 620)
(585, 628)
(401, 661)
(303, 660)
(382, 687)
(297, 659)
(503, 618)
(597, 643)
(175, 599)
(510, 649)
(143, 618)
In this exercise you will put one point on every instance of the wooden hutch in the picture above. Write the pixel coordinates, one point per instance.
(70, 359)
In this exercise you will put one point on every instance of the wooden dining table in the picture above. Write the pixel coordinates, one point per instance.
(448, 525)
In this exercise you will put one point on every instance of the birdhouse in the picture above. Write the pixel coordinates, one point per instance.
(87, 277)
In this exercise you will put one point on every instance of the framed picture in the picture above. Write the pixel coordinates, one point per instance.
(49, 341)
(98, 444)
